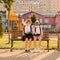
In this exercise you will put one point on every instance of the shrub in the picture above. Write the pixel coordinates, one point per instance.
(1, 26)
(33, 19)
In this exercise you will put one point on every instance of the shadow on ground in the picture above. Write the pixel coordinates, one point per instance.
(52, 56)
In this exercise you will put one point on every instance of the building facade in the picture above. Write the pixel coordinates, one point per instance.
(40, 6)
(43, 7)
(36, 6)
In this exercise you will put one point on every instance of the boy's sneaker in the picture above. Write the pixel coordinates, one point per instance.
(29, 50)
(26, 50)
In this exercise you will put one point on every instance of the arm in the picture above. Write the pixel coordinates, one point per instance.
(33, 30)
(23, 29)
(41, 32)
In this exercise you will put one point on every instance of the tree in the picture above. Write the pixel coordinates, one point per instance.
(1, 26)
(33, 18)
(8, 5)
(0, 1)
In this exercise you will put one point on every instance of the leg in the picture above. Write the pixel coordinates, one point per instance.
(30, 41)
(11, 45)
(39, 42)
(29, 44)
(48, 45)
(35, 41)
(26, 43)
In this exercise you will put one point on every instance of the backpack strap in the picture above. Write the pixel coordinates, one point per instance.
(40, 30)
(35, 29)
(31, 28)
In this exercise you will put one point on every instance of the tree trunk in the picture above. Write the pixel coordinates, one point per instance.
(8, 27)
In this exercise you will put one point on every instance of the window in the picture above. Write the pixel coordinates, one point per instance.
(46, 20)
(14, 25)
(41, 20)
(23, 20)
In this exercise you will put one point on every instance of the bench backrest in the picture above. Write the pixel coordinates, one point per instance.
(16, 34)
(45, 34)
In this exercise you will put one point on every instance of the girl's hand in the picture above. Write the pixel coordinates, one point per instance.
(33, 33)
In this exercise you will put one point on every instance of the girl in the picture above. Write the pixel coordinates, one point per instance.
(37, 36)
(28, 35)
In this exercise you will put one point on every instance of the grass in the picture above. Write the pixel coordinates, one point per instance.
(21, 44)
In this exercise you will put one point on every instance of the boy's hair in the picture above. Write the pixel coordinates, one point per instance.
(28, 21)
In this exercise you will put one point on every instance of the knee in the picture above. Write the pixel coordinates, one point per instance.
(34, 39)
(30, 39)
(26, 39)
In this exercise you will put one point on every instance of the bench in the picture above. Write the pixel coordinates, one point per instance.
(17, 35)
(58, 43)
(46, 37)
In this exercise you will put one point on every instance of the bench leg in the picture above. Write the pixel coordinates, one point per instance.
(11, 46)
(48, 45)
(58, 43)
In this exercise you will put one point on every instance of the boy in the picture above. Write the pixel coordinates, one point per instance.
(28, 35)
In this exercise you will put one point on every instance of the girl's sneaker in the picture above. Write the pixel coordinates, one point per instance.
(38, 50)
(35, 50)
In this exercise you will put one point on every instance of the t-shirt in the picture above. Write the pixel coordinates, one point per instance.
(27, 29)
(37, 30)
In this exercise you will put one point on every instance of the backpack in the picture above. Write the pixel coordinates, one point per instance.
(30, 28)
(23, 38)
(40, 30)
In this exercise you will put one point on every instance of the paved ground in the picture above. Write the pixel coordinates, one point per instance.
(21, 55)
(54, 56)
(5, 54)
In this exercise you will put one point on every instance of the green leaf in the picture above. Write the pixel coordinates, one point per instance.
(1, 26)
(8, 4)
(33, 18)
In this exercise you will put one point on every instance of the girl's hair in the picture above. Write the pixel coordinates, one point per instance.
(36, 23)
